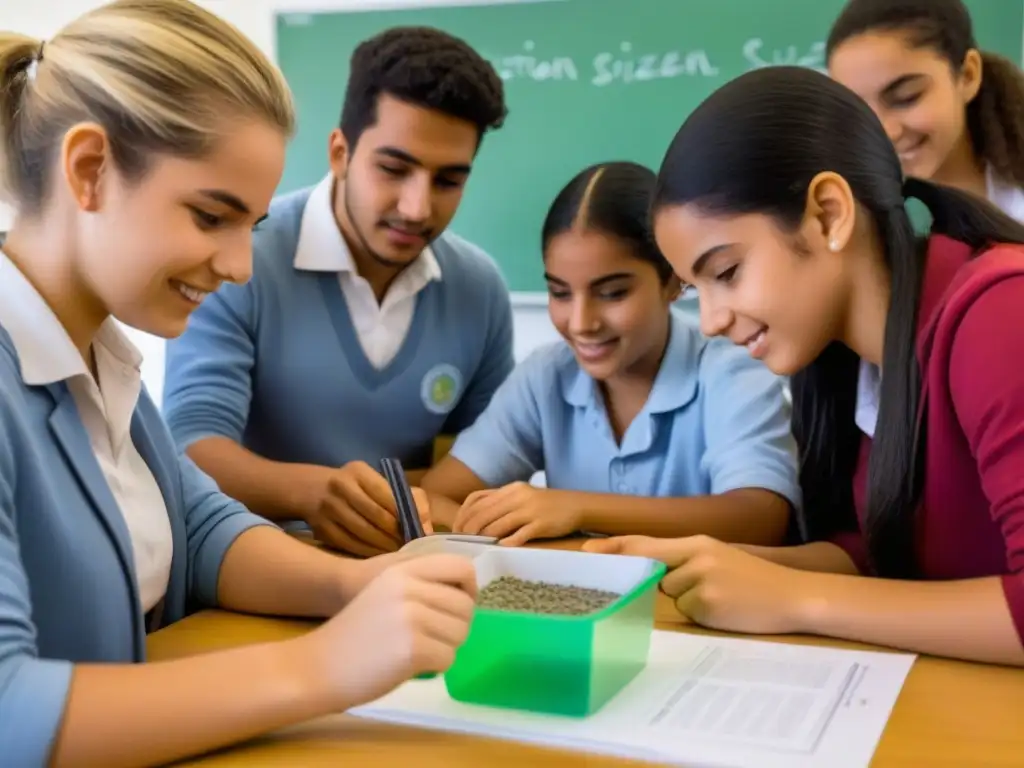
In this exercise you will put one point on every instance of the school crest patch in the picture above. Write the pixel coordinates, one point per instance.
(441, 388)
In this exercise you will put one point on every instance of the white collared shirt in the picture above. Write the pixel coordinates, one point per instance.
(869, 393)
(47, 355)
(381, 328)
(1010, 200)
(1006, 196)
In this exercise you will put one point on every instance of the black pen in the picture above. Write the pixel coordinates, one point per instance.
(408, 516)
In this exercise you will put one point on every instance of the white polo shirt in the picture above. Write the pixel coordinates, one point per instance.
(1009, 198)
(380, 327)
(47, 355)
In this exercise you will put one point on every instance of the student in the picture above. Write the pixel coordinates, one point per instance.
(641, 424)
(954, 113)
(782, 200)
(136, 180)
(366, 331)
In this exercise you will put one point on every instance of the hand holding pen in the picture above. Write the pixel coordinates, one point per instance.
(358, 513)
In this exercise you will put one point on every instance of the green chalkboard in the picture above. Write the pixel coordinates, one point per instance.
(586, 81)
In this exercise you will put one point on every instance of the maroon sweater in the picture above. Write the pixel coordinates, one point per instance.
(970, 347)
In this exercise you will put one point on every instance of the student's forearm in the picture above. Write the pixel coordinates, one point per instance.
(149, 714)
(276, 490)
(744, 516)
(967, 619)
(818, 556)
(269, 572)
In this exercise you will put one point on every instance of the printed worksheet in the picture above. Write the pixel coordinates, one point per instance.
(702, 701)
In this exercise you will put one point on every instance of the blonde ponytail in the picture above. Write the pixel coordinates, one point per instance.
(17, 54)
(160, 76)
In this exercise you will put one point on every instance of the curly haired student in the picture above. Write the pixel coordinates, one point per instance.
(954, 112)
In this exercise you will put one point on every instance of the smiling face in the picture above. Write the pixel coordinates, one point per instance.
(608, 304)
(403, 182)
(779, 294)
(150, 249)
(920, 98)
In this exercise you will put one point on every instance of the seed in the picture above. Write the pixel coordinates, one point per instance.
(509, 593)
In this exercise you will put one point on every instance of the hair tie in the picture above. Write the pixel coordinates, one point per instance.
(33, 66)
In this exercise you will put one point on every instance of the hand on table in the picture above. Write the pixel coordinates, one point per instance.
(357, 512)
(718, 585)
(517, 513)
(408, 620)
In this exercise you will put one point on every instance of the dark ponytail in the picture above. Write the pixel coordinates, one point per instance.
(754, 146)
(894, 468)
(995, 117)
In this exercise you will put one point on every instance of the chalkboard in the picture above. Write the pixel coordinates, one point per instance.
(586, 81)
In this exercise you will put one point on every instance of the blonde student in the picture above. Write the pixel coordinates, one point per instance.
(140, 146)
(782, 200)
(640, 423)
(955, 113)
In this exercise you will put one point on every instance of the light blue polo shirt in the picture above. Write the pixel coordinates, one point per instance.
(716, 420)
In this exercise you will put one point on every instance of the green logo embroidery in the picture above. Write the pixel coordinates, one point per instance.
(442, 391)
(441, 388)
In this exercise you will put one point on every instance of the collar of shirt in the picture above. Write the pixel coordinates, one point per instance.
(46, 353)
(1009, 198)
(869, 391)
(321, 247)
(675, 384)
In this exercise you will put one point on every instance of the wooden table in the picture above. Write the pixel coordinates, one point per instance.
(949, 715)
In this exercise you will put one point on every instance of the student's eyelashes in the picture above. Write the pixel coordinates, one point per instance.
(614, 295)
(391, 170)
(444, 183)
(906, 101)
(558, 294)
(205, 220)
(727, 275)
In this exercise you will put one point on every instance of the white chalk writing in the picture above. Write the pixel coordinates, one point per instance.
(757, 58)
(630, 68)
(529, 66)
(629, 65)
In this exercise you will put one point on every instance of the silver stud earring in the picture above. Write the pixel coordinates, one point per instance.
(833, 245)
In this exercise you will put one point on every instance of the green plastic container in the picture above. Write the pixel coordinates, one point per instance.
(563, 665)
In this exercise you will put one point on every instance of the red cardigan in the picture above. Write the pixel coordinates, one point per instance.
(970, 347)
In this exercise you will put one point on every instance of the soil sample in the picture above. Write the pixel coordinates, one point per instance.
(509, 593)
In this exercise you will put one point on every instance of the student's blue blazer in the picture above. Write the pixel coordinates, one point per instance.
(68, 591)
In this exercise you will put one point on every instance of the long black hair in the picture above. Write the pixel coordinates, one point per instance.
(613, 198)
(995, 117)
(754, 146)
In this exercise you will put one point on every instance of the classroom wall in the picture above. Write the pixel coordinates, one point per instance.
(255, 18)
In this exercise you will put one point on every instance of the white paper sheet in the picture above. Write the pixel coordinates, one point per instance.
(702, 701)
